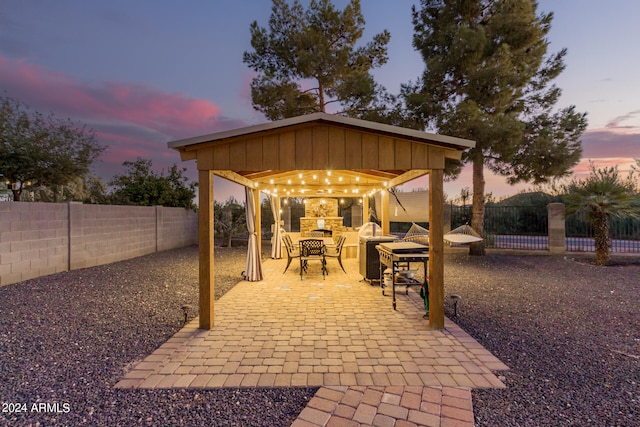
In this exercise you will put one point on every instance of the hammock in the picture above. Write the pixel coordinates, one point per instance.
(417, 234)
(462, 235)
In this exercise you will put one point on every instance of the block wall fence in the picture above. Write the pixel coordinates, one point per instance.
(38, 239)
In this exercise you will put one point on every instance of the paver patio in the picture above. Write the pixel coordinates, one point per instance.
(376, 366)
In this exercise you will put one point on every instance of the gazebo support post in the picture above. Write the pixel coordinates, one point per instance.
(258, 210)
(206, 245)
(384, 212)
(365, 209)
(436, 249)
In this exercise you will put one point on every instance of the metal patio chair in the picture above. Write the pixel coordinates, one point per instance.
(292, 252)
(312, 250)
(337, 251)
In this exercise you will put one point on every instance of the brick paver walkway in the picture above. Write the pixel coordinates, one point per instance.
(376, 366)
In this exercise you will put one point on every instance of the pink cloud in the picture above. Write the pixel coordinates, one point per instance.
(173, 114)
(131, 119)
(601, 143)
(622, 123)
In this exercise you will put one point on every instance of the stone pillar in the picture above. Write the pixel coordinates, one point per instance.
(557, 234)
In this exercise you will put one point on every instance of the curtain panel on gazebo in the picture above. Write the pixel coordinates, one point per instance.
(276, 243)
(253, 269)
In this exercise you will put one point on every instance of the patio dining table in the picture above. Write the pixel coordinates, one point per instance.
(326, 241)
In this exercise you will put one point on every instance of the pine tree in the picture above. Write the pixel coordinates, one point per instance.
(488, 78)
(308, 59)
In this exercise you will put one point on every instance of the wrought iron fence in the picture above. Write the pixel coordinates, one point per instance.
(624, 233)
(526, 227)
(509, 227)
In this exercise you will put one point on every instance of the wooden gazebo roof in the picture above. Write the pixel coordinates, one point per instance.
(320, 155)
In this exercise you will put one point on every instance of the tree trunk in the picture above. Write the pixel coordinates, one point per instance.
(477, 210)
(16, 194)
(321, 98)
(602, 240)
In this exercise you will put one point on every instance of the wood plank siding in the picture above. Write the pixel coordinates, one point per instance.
(320, 146)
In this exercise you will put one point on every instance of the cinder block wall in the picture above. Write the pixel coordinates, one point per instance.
(37, 239)
(101, 234)
(177, 228)
(34, 240)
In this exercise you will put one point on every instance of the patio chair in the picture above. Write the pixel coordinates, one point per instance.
(292, 252)
(312, 250)
(337, 251)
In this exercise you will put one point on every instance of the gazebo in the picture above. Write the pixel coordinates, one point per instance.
(320, 154)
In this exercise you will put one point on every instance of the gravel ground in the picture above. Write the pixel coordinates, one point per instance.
(66, 339)
(568, 329)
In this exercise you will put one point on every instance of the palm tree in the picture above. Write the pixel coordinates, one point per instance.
(604, 194)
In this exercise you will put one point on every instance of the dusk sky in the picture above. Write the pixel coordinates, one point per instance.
(142, 73)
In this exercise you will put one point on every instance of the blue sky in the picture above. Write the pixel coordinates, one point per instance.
(142, 73)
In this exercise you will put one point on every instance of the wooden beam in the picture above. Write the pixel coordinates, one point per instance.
(336, 190)
(235, 177)
(384, 215)
(188, 155)
(270, 174)
(453, 154)
(407, 176)
(206, 245)
(436, 249)
(256, 201)
(365, 209)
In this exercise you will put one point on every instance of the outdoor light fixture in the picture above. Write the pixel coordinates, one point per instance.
(455, 298)
(185, 309)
